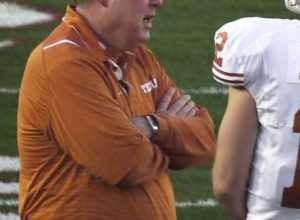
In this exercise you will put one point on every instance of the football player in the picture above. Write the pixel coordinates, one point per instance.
(256, 175)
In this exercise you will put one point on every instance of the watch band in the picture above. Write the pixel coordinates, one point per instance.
(152, 123)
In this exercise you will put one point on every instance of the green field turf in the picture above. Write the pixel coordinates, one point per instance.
(182, 38)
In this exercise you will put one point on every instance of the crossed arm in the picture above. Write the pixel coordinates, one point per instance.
(235, 146)
(186, 133)
(89, 126)
(183, 107)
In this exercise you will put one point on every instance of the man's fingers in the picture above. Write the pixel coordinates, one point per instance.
(183, 106)
(186, 109)
(166, 100)
(192, 113)
(179, 104)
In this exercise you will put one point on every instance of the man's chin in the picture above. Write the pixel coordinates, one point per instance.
(142, 39)
(145, 37)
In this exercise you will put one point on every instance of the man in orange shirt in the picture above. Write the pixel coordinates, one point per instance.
(100, 122)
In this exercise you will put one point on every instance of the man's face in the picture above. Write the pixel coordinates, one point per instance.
(132, 20)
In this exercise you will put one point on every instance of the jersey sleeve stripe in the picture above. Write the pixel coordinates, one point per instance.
(226, 77)
(226, 73)
(228, 81)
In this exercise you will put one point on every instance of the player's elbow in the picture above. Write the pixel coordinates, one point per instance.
(230, 198)
(223, 193)
(225, 189)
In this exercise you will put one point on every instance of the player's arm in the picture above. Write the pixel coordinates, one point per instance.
(235, 146)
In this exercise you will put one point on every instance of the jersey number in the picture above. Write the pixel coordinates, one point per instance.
(291, 195)
(219, 46)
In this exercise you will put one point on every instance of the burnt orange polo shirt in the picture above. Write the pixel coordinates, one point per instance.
(80, 156)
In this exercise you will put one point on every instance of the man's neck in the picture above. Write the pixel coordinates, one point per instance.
(84, 12)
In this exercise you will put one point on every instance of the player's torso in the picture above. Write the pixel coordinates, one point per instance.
(276, 91)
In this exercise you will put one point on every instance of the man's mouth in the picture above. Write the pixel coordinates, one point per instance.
(148, 19)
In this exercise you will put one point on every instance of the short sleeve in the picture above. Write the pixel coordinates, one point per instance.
(238, 54)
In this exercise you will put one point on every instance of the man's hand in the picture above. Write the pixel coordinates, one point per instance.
(183, 107)
(142, 125)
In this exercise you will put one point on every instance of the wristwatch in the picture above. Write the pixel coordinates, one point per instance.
(153, 124)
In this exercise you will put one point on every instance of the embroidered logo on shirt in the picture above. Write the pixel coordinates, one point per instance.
(149, 86)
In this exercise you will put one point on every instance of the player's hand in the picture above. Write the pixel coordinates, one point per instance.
(182, 107)
(142, 125)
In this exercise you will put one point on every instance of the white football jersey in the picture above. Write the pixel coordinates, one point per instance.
(263, 55)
